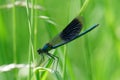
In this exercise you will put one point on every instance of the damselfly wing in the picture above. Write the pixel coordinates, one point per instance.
(69, 33)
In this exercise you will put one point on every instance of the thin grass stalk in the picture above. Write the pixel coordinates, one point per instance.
(37, 73)
(14, 33)
(32, 25)
(14, 38)
(85, 4)
(35, 29)
(30, 38)
(64, 62)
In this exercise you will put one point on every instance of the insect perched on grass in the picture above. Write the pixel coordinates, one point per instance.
(70, 33)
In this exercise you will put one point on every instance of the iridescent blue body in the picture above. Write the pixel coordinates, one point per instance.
(70, 33)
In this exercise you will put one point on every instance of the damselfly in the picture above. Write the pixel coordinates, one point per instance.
(70, 33)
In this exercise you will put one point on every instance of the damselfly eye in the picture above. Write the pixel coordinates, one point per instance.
(40, 51)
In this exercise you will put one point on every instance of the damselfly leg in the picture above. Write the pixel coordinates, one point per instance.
(55, 61)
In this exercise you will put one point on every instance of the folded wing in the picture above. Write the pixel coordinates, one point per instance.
(70, 32)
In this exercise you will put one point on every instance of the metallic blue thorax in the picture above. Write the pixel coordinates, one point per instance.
(47, 47)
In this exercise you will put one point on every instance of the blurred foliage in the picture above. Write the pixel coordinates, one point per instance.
(95, 56)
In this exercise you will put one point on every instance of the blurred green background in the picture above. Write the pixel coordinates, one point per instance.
(23, 29)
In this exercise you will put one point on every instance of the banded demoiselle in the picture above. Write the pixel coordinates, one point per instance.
(70, 33)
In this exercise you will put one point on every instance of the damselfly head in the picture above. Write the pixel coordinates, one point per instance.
(40, 51)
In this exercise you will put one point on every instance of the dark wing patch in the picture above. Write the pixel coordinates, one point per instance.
(72, 30)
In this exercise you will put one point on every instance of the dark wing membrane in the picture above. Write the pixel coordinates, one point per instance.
(69, 33)
(72, 30)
